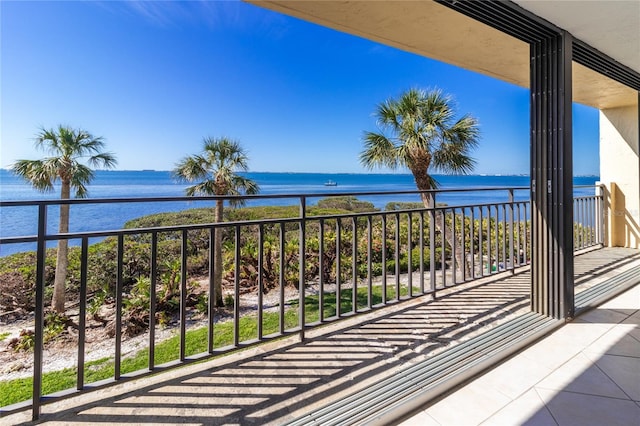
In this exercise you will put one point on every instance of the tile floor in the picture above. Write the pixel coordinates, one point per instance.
(585, 373)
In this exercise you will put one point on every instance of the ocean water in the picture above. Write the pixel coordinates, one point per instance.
(22, 221)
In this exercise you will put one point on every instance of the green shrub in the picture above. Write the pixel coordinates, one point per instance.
(348, 203)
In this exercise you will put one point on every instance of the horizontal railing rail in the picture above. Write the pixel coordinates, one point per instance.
(321, 268)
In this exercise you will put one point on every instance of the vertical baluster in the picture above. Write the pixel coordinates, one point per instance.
(409, 255)
(472, 248)
(211, 306)
(463, 244)
(576, 223)
(153, 279)
(236, 286)
(594, 218)
(397, 255)
(82, 314)
(321, 263)
(183, 295)
(421, 243)
(488, 242)
(260, 279)
(443, 247)
(369, 262)
(354, 265)
(454, 248)
(504, 236)
(338, 267)
(39, 312)
(511, 230)
(525, 231)
(496, 226)
(432, 250)
(282, 283)
(118, 328)
(587, 223)
(384, 259)
(518, 231)
(302, 266)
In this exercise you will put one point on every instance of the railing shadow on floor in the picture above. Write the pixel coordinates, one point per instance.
(280, 380)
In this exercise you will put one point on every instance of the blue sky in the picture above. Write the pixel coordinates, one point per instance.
(154, 78)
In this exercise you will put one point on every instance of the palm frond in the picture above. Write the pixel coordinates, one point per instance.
(379, 152)
(106, 160)
(81, 176)
(452, 158)
(424, 133)
(67, 147)
(217, 166)
(190, 169)
(36, 173)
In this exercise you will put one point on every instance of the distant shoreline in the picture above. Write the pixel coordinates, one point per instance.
(364, 173)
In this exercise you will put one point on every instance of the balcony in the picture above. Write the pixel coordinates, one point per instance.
(464, 303)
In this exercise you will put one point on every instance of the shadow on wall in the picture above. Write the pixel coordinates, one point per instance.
(621, 228)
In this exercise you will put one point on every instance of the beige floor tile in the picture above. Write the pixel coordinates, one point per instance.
(551, 355)
(528, 409)
(617, 341)
(575, 409)
(625, 371)
(635, 331)
(515, 376)
(604, 317)
(627, 300)
(420, 419)
(470, 405)
(581, 375)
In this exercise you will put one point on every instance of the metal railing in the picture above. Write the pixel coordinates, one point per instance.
(323, 267)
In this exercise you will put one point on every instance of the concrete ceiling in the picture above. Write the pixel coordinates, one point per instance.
(435, 31)
(612, 27)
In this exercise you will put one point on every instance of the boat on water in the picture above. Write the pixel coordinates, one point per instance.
(331, 183)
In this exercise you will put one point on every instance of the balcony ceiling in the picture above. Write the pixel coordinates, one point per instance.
(612, 27)
(429, 29)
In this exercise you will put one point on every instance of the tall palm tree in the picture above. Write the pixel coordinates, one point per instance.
(215, 171)
(424, 137)
(68, 148)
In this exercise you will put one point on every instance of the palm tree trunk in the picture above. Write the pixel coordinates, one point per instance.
(422, 182)
(62, 260)
(217, 257)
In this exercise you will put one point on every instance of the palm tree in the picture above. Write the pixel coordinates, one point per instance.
(423, 137)
(215, 171)
(68, 147)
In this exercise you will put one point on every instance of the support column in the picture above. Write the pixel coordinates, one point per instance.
(552, 177)
(619, 171)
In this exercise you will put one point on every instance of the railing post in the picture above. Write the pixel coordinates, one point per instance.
(511, 220)
(302, 265)
(39, 311)
(432, 247)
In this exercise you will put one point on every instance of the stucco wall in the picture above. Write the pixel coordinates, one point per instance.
(620, 172)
